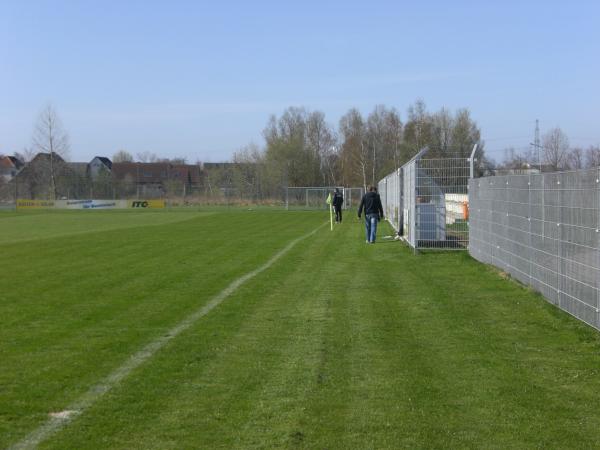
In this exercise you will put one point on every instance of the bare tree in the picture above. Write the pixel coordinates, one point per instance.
(293, 145)
(25, 155)
(331, 164)
(592, 157)
(465, 134)
(354, 150)
(248, 164)
(374, 137)
(147, 157)
(384, 136)
(175, 160)
(122, 156)
(442, 131)
(393, 138)
(575, 159)
(556, 148)
(320, 140)
(418, 128)
(50, 137)
(514, 160)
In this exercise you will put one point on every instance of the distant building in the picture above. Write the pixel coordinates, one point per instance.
(218, 166)
(187, 173)
(527, 169)
(9, 167)
(98, 166)
(47, 178)
(101, 178)
(155, 179)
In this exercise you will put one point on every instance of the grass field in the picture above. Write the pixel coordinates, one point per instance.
(337, 344)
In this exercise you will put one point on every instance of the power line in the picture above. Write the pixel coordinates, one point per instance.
(506, 138)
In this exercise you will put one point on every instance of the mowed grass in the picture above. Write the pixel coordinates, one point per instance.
(339, 344)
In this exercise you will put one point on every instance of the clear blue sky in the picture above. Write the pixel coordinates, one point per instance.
(200, 79)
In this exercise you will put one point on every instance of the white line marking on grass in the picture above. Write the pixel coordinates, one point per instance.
(62, 419)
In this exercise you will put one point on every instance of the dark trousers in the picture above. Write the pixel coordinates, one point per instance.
(338, 213)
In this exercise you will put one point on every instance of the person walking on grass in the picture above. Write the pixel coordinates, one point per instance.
(338, 201)
(371, 203)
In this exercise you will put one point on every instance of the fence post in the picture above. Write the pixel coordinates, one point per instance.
(472, 162)
(598, 249)
(400, 212)
(16, 190)
(560, 226)
(347, 199)
(530, 252)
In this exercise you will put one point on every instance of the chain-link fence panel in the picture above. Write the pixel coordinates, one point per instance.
(427, 201)
(352, 197)
(8, 195)
(315, 197)
(543, 229)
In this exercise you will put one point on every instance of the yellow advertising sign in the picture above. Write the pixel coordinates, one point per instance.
(34, 204)
(147, 204)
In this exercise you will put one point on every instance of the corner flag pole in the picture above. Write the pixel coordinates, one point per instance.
(331, 216)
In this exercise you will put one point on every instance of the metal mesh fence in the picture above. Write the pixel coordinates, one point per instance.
(442, 203)
(409, 202)
(315, 197)
(426, 201)
(7, 194)
(543, 229)
(352, 197)
(174, 192)
(390, 191)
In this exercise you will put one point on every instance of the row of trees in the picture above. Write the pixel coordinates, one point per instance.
(303, 149)
(145, 157)
(554, 153)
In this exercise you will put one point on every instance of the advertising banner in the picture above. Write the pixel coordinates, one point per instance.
(35, 204)
(146, 203)
(90, 204)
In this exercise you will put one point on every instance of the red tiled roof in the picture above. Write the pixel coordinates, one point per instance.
(10, 162)
(6, 163)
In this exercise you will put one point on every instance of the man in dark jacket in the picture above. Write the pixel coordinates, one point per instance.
(371, 202)
(338, 201)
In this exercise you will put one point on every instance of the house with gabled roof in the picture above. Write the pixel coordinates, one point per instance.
(51, 177)
(99, 165)
(10, 166)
